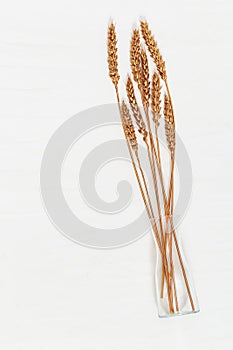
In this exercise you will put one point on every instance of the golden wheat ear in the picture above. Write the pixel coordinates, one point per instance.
(135, 108)
(156, 98)
(169, 125)
(128, 126)
(145, 79)
(135, 51)
(112, 55)
(153, 49)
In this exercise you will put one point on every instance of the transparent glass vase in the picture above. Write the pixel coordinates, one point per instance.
(175, 292)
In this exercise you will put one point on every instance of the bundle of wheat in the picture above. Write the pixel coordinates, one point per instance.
(161, 213)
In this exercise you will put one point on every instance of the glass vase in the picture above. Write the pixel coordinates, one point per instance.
(175, 292)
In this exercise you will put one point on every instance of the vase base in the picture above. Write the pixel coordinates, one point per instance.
(180, 313)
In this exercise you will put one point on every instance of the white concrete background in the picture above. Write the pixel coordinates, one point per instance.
(55, 294)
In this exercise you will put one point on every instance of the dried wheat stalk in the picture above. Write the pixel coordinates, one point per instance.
(153, 49)
(152, 153)
(129, 128)
(170, 136)
(135, 60)
(155, 55)
(156, 98)
(139, 121)
(169, 125)
(145, 79)
(140, 72)
(112, 55)
(156, 113)
(135, 109)
(160, 64)
(131, 135)
(114, 75)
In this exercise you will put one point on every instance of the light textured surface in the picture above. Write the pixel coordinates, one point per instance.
(55, 294)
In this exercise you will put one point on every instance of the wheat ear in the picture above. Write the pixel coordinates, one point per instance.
(135, 61)
(112, 55)
(169, 125)
(153, 49)
(144, 78)
(129, 128)
(156, 98)
(135, 109)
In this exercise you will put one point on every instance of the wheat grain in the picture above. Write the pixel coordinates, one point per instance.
(153, 49)
(112, 55)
